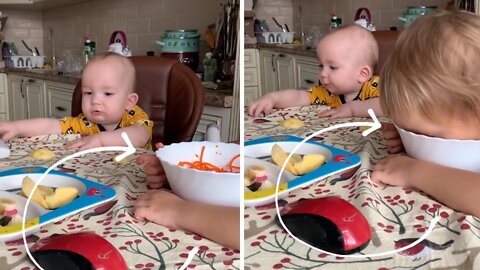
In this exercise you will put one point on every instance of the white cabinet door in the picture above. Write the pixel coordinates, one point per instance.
(16, 98)
(35, 94)
(268, 72)
(285, 71)
(214, 115)
(3, 97)
(308, 72)
(59, 99)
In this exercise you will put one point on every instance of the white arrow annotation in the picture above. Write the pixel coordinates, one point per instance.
(373, 126)
(127, 150)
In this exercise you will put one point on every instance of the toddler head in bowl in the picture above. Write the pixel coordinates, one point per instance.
(430, 85)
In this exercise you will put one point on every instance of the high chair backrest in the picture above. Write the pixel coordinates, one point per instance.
(386, 42)
(169, 92)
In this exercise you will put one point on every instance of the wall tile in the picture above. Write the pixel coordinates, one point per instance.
(144, 21)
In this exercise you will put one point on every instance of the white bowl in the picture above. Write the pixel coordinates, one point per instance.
(219, 188)
(460, 154)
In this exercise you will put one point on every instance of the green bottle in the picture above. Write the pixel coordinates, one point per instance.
(89, 51)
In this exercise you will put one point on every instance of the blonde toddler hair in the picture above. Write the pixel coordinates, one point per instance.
(433, 69)
(360, 39)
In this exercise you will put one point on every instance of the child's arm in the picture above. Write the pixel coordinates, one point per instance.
(137, 134)
(217, 223)
(153, 169)
(354, 108)
(29, 127)
(279, 99)
(456, 188)
(394, 140)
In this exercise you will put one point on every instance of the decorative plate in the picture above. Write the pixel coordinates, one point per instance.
(337, 161)
(90, 194)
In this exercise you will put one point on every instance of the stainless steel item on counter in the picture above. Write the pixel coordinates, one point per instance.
(278, 24)
(28, 48)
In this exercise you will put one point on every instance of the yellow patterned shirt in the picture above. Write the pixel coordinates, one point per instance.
(80, 124)
(319, 95)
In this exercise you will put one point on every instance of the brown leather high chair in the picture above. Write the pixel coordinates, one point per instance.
(169, 92)
(386, 42)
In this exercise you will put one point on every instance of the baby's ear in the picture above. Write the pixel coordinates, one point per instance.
(132, 101)
(366, 73)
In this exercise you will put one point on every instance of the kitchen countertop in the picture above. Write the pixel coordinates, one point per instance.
(216, 98)
(284, 48)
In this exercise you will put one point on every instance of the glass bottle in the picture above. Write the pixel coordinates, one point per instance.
(209, 67)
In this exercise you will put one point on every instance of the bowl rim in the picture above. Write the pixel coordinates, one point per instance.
(198, 142)
(434, 138)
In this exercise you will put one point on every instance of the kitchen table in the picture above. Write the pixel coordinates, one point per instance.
(143, 245)
(397, 216)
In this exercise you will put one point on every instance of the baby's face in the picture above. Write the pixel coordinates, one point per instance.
(339, 66)
(446, 127)
(104, 92)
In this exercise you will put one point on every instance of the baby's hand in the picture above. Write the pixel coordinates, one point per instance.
(265, 105)
(7, 130)
(343, 111)
(390, 133)
(156, 177)
(161, 207)
(395, 170)
(86, 142)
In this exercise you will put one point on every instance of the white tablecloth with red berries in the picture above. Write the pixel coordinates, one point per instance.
(143, 245)
(397, 216)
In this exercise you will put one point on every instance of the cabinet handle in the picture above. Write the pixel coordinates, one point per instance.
(309, 81)
(60, 109)
(21, 88)
(31, 80)
(281, 55)
(273, 60)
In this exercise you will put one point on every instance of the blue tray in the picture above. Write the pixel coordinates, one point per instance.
(90, 194)
(338, 160)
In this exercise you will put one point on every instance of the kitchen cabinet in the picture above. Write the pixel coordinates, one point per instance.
(285, 70)
(252, 84)
(59, 99)
(33, 98)
(3, 97)
(281, 71)
(267, 72)
(308, 72)
(214, 115)
(277, 71)
(16, 98)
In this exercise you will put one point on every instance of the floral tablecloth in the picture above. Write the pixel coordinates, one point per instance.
(397, 216)
(143, 245)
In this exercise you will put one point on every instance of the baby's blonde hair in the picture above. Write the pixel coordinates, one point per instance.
(129, 68)
(433, 69)
(362, 40)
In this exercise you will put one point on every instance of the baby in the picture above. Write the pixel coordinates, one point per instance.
(430, 85)
(108, 106)
(347, 58)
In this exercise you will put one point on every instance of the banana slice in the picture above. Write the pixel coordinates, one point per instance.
(8, 204)
(42, 154)
(292, 123)
(297, 165)
(279, 156)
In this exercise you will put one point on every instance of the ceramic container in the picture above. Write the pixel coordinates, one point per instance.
(219, 188)
(180, 33)
(460, 154)
(179, 45)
